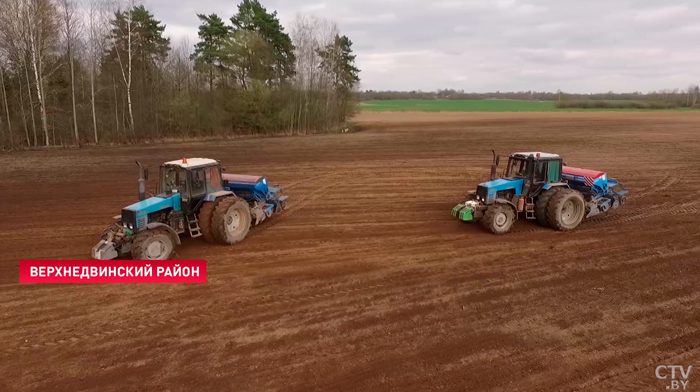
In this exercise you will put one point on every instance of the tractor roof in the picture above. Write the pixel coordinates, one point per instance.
(191, 162)
(535, 153)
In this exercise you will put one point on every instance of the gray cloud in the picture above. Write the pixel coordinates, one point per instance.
(488, 45)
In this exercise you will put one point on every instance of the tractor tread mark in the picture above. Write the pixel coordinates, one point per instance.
(153, 325)
(556, 205)
(137, 245)
(218, 224)
(542, 205)
(666, 182)
(599, 223)
(299, 205)
(238, 304)
(205, 220)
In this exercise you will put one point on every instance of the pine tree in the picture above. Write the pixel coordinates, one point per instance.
(137, 48)
(208, 52)
(249, 57)
(252, 16)
(338, 62)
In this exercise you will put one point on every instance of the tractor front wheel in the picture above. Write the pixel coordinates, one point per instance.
(498, 219)
(154, 244)
(566, 210)
(205, 217)
(231, 220)
(542, 205)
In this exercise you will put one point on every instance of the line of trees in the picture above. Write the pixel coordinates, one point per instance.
(591, 104)
(689, 97)
(97, 71)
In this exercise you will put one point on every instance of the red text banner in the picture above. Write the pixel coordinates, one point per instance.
(113, 271)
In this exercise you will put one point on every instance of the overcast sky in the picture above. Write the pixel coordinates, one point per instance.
(489, 45)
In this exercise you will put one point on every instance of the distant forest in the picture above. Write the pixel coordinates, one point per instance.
(672, 98)
(74, 72)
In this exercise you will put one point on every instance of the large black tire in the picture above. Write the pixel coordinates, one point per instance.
(231, 220)
(566, 210)
(154, 244)
(542, 204)
(498, 219)
(206, 212)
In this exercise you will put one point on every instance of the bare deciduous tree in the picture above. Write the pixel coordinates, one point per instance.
(126, 65)
(41, 21)
(97, 32)
(693, 91)
(309, 35)
(70, 27)
(7, 109)
(14, 40)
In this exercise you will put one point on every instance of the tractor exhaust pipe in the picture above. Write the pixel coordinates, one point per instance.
(494, 165)
(143, 176)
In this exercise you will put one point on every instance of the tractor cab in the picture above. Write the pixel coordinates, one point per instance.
(537, 167)
(525, 175)
(192, 178)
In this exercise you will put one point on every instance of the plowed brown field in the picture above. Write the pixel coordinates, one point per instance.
(367, 283)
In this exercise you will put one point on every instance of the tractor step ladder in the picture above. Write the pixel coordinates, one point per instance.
(193, 226)
(530, 208)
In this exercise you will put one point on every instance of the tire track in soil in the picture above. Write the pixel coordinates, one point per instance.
(388, 283)
(305, 201)
(645, 364)
(292, 210)
(670, 207)
(655, 186)
(233, 306)
(177, 320)
(618, 217)
(301, 203)
(429, 356)
(314, 179)
(438, 266)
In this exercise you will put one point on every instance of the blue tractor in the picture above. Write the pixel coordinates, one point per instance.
(195, 198)
(539, 186)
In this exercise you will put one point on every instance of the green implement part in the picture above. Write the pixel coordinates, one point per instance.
(462, 212)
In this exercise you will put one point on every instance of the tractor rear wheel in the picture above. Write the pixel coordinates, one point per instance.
(204, 217)
(542, 204)
(231, 220)
(498, 219)
(566, 210)
(154, 244)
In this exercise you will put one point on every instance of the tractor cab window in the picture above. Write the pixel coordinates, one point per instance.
(540, 171)
(554, 171)
(516, 168)
(213, 179)
(173, 179)
(199, 185)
